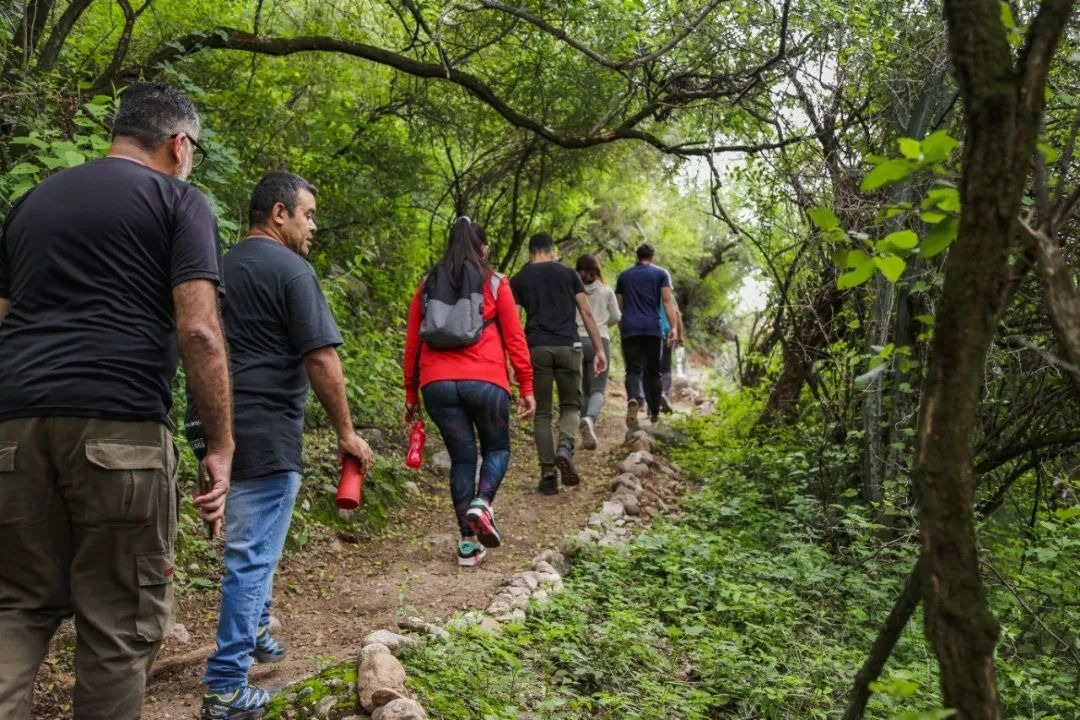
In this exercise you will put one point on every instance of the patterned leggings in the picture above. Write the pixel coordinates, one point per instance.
(463, 410)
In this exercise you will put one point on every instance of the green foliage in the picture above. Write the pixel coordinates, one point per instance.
(746, 606)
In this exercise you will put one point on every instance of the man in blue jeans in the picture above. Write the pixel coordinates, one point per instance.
(640, 290)
(282, 340)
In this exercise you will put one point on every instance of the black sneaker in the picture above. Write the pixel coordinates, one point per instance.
(564, 460)
(246, 703)
(654, 418)
(665, 405)
(549, 485)
(267, 648)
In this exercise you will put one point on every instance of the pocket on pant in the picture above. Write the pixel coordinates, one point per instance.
(12, 511)
(124, 477)
(155, 613)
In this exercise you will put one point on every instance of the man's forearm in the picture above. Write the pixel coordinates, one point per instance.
(328, 381)
(206, 363)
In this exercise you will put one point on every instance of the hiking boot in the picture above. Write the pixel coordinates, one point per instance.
(588, 433)
(564, 460)
(631, 414)
(469, 553)
(481, 518)
(267, 648)
(665, 405)
(654, 418)
(549, 485)
(246, 703)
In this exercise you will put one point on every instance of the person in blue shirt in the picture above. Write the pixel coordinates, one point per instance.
(640, 290)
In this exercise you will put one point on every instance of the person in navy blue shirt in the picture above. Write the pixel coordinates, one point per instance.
(640, 290)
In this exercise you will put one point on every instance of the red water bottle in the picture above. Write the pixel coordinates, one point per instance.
(351, 483)
(417, 438)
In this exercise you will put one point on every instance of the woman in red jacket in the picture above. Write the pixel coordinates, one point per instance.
(466, 390)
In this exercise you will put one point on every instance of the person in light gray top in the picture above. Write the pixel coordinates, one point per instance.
(605, 310)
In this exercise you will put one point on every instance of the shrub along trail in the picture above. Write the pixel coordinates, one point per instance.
(332, 593)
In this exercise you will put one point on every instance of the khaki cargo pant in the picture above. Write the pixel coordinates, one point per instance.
(87, 527)
(559, 367)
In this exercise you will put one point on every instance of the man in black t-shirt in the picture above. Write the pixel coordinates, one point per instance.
(104, 269)
(550, 292)
(282, 341)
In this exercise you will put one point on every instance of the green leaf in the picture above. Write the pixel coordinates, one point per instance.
(1051, 154)
(1007, 18)
(939, 238)
(891, 266)
(910, 148)
(857, 275)
(946, 199)
(932, 217)
(886, 173)
(23, 168)
(824, 218)
(855, 258)
(901, 239)
(938, 146)
(73, 158)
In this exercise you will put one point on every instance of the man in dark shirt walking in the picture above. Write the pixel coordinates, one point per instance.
(550, 293)
(640, 291)
(103, 267)
(282, 341)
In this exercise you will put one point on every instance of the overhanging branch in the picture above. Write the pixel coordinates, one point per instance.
(233, 39)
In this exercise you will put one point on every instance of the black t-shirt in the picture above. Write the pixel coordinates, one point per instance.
(275, 313)
(547, 291)
(89, 259)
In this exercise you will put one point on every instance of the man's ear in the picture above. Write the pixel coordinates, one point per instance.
(176, 148)
(279, 212)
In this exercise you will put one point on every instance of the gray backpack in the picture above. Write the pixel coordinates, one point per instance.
(454, 316)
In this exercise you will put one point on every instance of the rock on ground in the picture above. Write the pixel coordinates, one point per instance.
(379, 670)
(402, 709)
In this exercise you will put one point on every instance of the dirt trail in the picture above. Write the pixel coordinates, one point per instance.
(330, 596)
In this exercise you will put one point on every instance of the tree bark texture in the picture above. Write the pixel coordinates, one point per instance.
(1002, 108)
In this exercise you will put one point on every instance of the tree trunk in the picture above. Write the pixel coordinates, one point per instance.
(1002, 107)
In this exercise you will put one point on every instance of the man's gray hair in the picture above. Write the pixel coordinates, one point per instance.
(151, 112)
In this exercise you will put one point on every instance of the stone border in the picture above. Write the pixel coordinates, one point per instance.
(646, 485)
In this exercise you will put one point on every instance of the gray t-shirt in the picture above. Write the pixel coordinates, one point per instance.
(275, 313)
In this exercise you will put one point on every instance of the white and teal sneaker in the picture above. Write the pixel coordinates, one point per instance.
(469, 553)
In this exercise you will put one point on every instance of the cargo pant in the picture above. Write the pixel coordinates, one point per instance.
(87, 528)
(555, 366)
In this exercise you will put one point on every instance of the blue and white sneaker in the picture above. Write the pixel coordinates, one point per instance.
(267, 648)
(246, 703)
(469, 553)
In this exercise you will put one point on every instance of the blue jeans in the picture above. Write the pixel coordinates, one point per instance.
(457, 407)
(257, 515)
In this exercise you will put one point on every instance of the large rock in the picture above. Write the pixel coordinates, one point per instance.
(556, 558)
(613, 509)
(394, 642)
(402, 709)
(379, 670)
(639, 440)
(628, 500)
(626, 480)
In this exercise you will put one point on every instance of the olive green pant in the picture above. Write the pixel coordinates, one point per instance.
(558, 366)
(87, 527)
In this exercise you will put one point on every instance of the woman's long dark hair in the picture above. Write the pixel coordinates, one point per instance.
(588, 266)
(466, 245)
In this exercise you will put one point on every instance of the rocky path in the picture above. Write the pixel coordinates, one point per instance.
(333, 594)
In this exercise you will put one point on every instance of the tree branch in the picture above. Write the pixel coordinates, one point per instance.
(50, 53)
(589, 52)
(233, 39)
